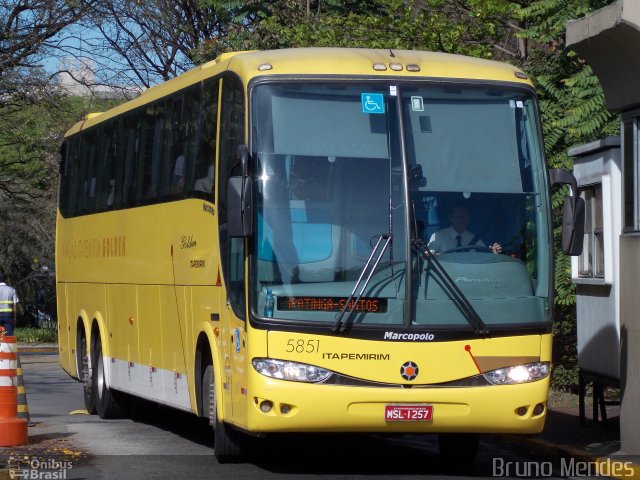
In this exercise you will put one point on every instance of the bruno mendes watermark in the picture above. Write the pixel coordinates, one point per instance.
(566, 468)
(34, 468)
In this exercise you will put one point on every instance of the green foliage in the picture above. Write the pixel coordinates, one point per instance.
(565, 354)
(547, 19)
(438, 25)
(37, 335)
(223, 26)
(571, 99)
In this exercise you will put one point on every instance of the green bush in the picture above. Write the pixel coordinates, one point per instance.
(564, 374)
(36, 335)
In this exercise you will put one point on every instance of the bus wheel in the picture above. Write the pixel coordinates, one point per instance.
(105, 399)
(458, 449)
(85, 374)
(227, 442)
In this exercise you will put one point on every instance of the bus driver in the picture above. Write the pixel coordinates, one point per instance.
(456, 235)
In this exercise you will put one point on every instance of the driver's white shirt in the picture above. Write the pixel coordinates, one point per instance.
(445, 239)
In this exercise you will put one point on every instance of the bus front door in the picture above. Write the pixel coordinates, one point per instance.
(234, 368)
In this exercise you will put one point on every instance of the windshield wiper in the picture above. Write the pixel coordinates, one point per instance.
(375, 257)
(459, 298)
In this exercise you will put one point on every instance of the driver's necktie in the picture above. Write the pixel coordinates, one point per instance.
(459, 239)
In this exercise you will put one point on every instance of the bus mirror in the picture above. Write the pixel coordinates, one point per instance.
(559, 176)
(572, 214)
(239, 207)
(573, 225)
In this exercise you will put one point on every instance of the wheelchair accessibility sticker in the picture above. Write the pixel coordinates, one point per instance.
(372, 103)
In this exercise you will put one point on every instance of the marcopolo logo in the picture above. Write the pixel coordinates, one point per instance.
(414, 337)
(409, 370)
(493, 282)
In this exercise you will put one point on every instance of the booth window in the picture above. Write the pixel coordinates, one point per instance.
(591, 261)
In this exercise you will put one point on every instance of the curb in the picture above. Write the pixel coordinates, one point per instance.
(603, 465)
(37, 349)
(552, 449)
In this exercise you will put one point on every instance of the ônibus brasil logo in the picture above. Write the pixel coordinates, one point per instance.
(409, 370)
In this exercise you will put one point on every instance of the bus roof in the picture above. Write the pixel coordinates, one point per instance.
(361, 61)
(347, 62)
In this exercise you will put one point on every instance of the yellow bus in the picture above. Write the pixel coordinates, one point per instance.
(262, 241)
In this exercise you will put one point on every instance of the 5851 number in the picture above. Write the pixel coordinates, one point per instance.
(302, 346)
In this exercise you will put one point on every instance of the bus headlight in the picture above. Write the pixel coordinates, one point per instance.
(529, 372)
(293, 371)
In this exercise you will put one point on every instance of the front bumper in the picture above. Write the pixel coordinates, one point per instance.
(303, 407)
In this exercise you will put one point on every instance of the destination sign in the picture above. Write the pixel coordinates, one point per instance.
(331, 304)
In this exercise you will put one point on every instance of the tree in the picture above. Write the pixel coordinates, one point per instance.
(438, 25)
(33, 116)
(149, 42)
(30, 136)
(29, 30)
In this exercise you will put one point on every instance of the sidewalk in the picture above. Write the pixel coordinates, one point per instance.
(593, 442)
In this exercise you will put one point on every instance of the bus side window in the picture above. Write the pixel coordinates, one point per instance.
(193, 134)
(70, 179)
(173, 147)
(125, 180)
(205, 183)
(203, 171)
(106, 167)
(149, 152)
(86, 195)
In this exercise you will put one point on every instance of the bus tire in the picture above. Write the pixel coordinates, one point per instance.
(458, 449)
(106, 400)
(227, 442)
(84, 374)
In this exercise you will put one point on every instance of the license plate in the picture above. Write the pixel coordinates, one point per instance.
(408, 413)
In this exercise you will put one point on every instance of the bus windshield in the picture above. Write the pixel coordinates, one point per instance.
(342, 167)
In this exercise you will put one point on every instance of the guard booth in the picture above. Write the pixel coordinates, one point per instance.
(596, 273)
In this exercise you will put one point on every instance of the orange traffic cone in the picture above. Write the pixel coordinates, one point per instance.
(13, 430)
(23, 407)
